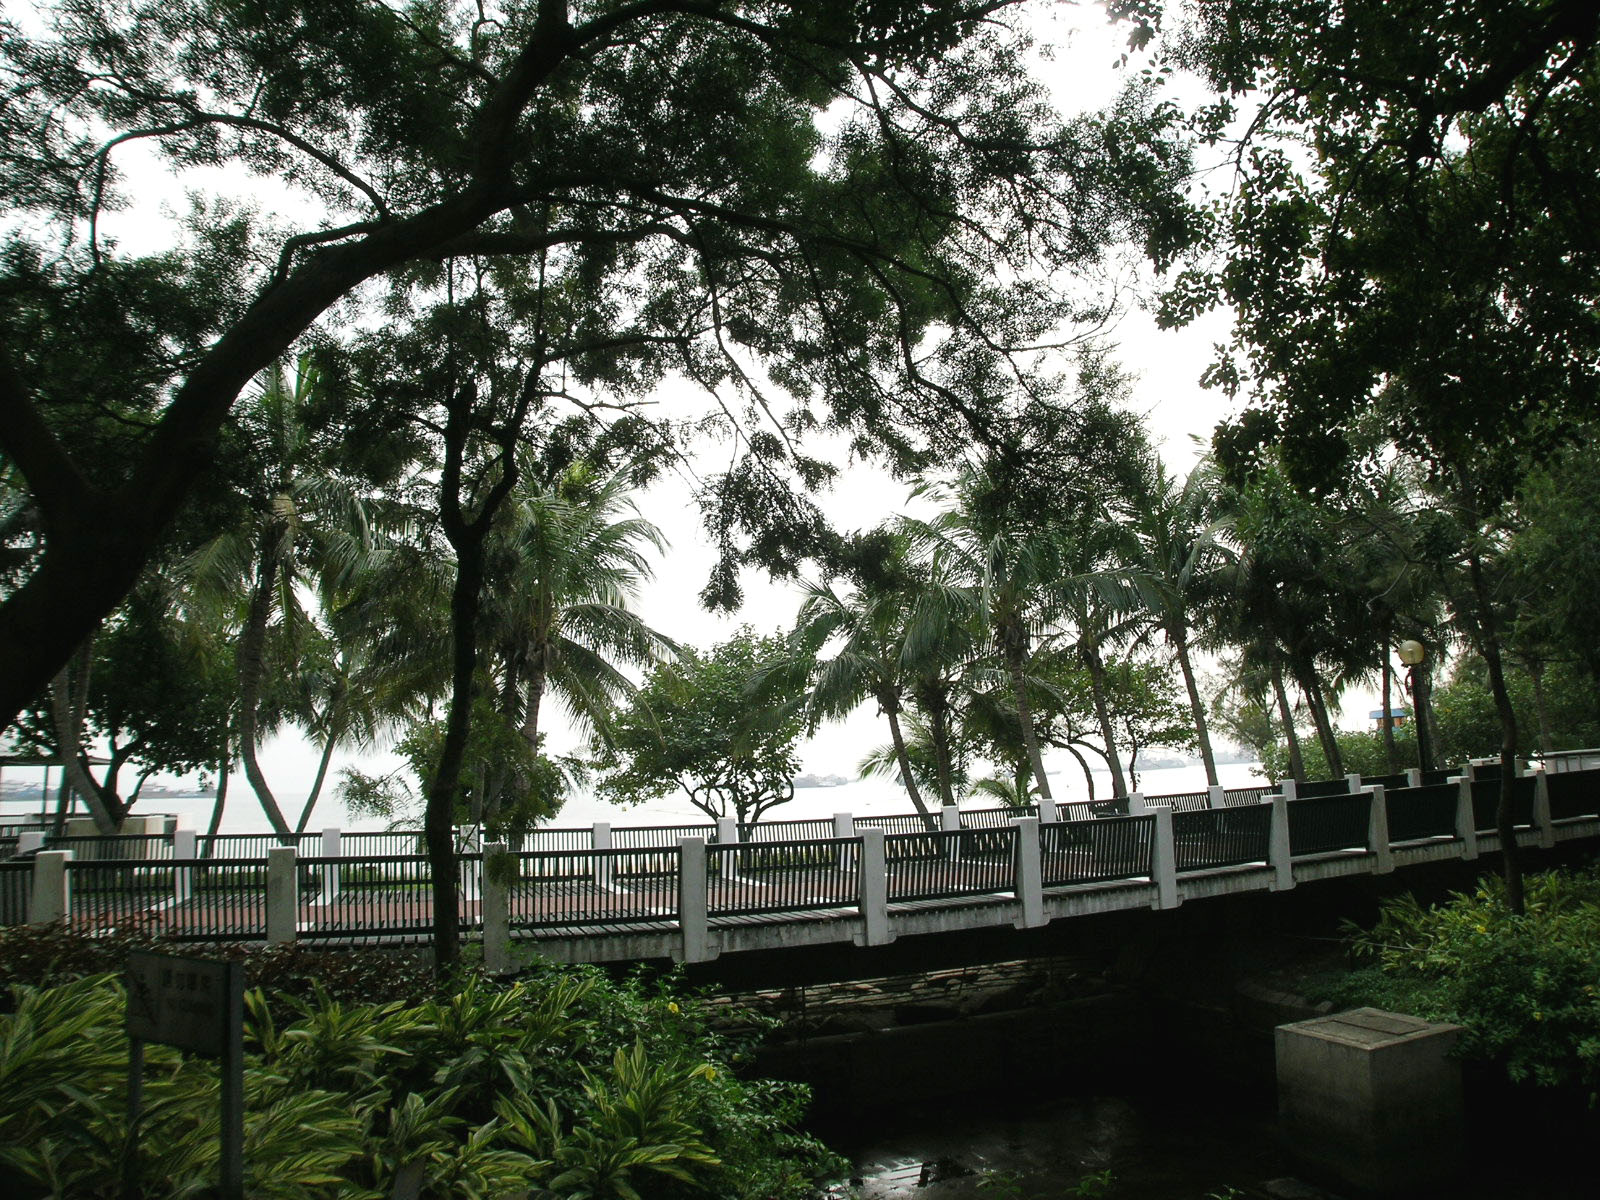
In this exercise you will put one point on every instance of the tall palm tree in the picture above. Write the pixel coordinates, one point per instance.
(565, 567)
(304, 522)
(1010, 564)
(868, 629)
(1176, 552)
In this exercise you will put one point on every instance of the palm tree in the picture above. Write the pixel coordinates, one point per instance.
(869, 628)
(1176, 553)
(565, 566)
(1010, 564)
(303, 521)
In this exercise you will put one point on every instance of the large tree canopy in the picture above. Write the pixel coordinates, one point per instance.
(856, 205)
(1413, 231)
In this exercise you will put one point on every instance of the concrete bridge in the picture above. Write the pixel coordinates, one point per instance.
(694, 893)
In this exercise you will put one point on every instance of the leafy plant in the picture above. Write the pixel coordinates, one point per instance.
(1525, 988)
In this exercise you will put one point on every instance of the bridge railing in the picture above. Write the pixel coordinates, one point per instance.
(1096, 850)
(1212, 838)
(1327, 824)
(776, 877)
(1419, 813)
(563, 888)
(1486, 802)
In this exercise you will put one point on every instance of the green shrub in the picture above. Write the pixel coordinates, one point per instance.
(1525, 988)
(562, 1084)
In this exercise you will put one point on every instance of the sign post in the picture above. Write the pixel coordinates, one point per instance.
(195, 1004)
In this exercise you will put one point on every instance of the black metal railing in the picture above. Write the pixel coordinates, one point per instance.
(227, 901)
(1324, 824)
(117, 893)
(1573, 794)
(1181, 801)
(1486, 802)
(656, 837)
(994, 818)
(790, 831)
(1416, 814)
(947, 864)
(16, 890)
(1440, 775)
(377, 896)
(1387, 782)
(1222, 837)
(252, 845)
(543, 890)
(115, 847)
(1316, 788)
(580, 838)
(1238, 797)
(1095, 851)
(902, 823)
(395, 843)
(776, 877)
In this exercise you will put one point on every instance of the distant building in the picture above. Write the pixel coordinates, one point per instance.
(1395, 719)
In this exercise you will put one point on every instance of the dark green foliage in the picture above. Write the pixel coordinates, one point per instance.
(561, 1081)
(1362, 752)
(1525, 987)
(701, 724)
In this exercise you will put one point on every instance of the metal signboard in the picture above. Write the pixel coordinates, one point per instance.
(182, 1002)
(195, 1004)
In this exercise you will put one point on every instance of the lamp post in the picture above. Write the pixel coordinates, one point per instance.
(1413, 653)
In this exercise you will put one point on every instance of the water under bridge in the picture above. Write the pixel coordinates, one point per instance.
(694, 893)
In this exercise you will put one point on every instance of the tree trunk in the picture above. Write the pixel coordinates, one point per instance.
(105, 807)
(1030, 738)
(1297, 762)
(1097, 688)
(224, 768)
(1489, 647)
(1536, 673)
(1311, 689)
(1088, 776)
(891, 710)
(1386, 722)
(316, 784)
(252, 643)
(1180, 643)
(439, 819)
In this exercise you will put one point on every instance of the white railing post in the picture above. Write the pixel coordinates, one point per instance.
(1378, 832)
(1289, 788)
(1136, 804)
(600, 839)
(1279, 854)
(844, 826)
(949, 817)
(184, 851)
(1542, 820)
(1466, 823)
(1352, 783)
(1413, 776)
(1049, 810)
(496, 912)
(1029, 873)
(727, 831)
(1164, 860)
(693, 917)
(52, 888)
(332, 847)
(1216, 796)
(30, 840)
(874, 894)
(283, 894)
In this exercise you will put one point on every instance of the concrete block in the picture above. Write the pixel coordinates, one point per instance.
(1029, 873)
(874, 898)
(1372, 1100)
(283, 894)
(52, 887)
(949, 817)
(1279, 855)
(1378, 833)
(1164, 861)
(496, 912)
(693, 902)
